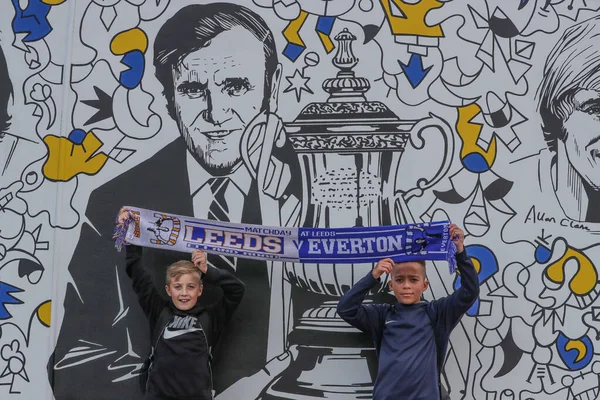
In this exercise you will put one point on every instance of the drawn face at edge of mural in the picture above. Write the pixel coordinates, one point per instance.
(582, 135)
(217, 79)
(569, 102)
(5, 95)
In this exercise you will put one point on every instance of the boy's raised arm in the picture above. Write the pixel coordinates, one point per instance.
(233, 289)
(453, 307)
(148, 297)
(368, 318)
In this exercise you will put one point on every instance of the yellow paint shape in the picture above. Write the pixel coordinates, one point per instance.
(579, 346)
(292, 32)
(409, 19)
(326, 41)
(476, 264)
(65, 159)
(44, 312)
(584, 280)
(53, 2)
(126, 41)
(469, 133)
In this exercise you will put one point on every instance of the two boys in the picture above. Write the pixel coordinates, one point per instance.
(184, 331)
(411, 337)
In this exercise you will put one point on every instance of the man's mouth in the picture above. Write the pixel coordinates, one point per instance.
(218, 134)
(184, 301)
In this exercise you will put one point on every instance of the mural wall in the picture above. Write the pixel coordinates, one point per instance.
(300, 113)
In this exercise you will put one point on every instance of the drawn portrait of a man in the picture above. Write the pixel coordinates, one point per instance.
(219, 71)
(569, 105)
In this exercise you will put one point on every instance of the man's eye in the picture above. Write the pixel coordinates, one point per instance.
(193, 90)
(237, 87)
(593, 110)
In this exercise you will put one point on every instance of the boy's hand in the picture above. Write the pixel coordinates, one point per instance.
(384, 266)
(123, 215)
(199, 260)
(458, 237)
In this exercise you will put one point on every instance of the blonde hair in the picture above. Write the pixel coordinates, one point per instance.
(182, 267)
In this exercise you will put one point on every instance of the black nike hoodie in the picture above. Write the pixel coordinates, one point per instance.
(181, 367)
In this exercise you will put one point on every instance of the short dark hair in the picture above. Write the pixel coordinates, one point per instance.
(572, 65)
(6, 92)
(422, 263)
(193, 27)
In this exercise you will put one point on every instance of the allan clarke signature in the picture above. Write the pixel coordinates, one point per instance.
(534, 216)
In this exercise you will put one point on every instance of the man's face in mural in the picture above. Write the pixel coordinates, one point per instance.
(582, 141)
(219, 89)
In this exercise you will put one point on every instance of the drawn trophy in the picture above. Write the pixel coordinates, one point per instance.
(349, 151)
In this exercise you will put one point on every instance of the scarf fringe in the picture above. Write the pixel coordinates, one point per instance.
(120, 232)
(451, 257)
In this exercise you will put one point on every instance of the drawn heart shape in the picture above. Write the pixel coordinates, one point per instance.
(41, 92)
(10, 350)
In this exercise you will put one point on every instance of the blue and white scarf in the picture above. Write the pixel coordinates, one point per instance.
(411, 242)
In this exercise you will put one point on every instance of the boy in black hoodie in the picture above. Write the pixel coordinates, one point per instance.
(181, 356)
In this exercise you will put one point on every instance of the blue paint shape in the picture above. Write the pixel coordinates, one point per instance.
(33, 20)
(7, 298)
(542, 254)
(414, 71)
(570, 357)
(325, 25)
(475, 163)
(292, 51)
(77, 136)
(488, 267)
(131, 78)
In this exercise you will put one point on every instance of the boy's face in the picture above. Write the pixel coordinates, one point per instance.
(184, 290)
(408, 282)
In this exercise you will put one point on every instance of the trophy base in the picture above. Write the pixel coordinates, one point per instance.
(335, 360)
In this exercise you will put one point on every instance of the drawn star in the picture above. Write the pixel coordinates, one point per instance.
(298, 82)
(103, 104)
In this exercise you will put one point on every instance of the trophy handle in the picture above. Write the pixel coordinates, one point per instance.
(417, 141)
(261, 135)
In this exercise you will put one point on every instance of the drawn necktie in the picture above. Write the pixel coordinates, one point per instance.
(219, 211)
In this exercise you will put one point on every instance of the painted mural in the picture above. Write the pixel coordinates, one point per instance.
(300, 113)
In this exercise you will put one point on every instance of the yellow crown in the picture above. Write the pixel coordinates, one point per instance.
(409, 19)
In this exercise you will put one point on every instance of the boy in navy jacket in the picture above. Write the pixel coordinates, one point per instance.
(408, 334)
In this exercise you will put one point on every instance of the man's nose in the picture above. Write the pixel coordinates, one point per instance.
(217, 108)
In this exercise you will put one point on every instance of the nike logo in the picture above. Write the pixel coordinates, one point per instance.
(169, 334)
(389, 321)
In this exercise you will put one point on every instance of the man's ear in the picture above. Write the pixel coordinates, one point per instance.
(168, 289)
(425, 284)
(275, 81)
(200, 289)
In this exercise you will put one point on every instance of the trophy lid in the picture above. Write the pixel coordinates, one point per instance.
(347, 120)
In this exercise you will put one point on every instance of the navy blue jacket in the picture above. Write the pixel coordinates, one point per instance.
(407, 336)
